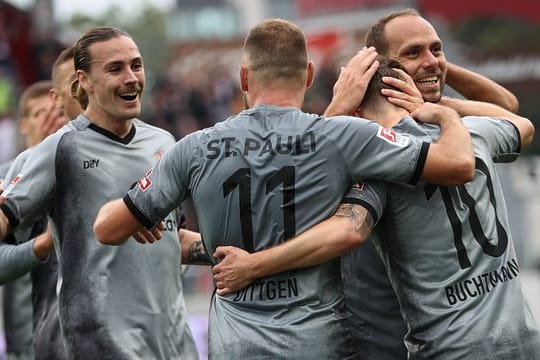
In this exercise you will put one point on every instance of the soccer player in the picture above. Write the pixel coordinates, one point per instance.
(267, 173)
(447, 249)
(114, 303)
(378, 327)
(35, 108)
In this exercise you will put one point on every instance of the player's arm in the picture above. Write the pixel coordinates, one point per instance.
(477, 87)
(115, 223)
(479, 108)
(193, 251)
(349, 227)
(4, 223)
(449, 161)
(17, 260)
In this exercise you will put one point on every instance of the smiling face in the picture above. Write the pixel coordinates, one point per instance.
(415, 44)
(115, 81)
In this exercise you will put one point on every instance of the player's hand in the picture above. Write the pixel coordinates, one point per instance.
(2, 198)
(435, 114)
(352, 83)
(43, 244)
(407, 96)
(53, 121)
(144, 235)
(232, 272)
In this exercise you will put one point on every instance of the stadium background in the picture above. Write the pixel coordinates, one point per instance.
(191, 52)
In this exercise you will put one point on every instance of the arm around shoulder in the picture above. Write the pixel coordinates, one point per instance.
(450, 161)
(480, 108)
(348, 228)
(477, 87)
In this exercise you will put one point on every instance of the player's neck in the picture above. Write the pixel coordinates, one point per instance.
(387, 116)
(277, 96)
(116, 126)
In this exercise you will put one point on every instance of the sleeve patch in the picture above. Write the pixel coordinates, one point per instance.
(8, 189)
(145, 182)
(391, 137)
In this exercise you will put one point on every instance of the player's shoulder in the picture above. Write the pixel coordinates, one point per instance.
(141, 125)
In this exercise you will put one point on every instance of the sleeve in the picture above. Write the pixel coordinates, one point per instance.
(371, 195)
(31, 184)
(163, 188)
(501, 137)
(16, 261)
(373, 152)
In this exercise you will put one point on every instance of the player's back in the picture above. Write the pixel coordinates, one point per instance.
(259, 179)
(452, 259)
(256, 180)
(272, 178)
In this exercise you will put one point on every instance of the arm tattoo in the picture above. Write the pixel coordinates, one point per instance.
(197, 254)
(363, 221)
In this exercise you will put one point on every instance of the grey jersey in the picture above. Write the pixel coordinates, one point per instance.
(121, 302)
(47, 339)
(257, 179)
(15, 261)
(16, 295)
(377, 326)
(451, 258)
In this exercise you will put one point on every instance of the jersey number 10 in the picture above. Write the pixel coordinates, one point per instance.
(474, 220)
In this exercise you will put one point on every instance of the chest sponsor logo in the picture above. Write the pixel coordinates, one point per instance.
(90, 164)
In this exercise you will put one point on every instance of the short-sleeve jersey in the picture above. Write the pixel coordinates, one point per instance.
(47, 339)
(256, 180)
(16, 294)
(451, 258)
(122, 302)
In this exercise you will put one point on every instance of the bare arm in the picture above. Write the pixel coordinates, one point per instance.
(349, 227)
(477, 87)
(193, 251)
(469, 107)
(450, 161)
(115, 223)
(4, 224)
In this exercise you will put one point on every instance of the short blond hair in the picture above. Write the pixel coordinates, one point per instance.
(276, 49)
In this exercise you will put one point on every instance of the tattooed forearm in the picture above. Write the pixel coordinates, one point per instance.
(197, 254)
(363, 221)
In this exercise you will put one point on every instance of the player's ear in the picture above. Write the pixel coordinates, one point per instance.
(310, 74)
(84, 80)
(244, 78)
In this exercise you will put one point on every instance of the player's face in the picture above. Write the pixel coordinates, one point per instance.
(38, 108)
(69, 106)
(116, 80)
(415, 44)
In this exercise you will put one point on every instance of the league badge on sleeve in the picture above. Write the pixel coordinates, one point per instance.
(390, 136)
(11, 185)
(145, 182)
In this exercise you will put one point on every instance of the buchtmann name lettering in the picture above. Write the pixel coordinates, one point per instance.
(481, 284)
